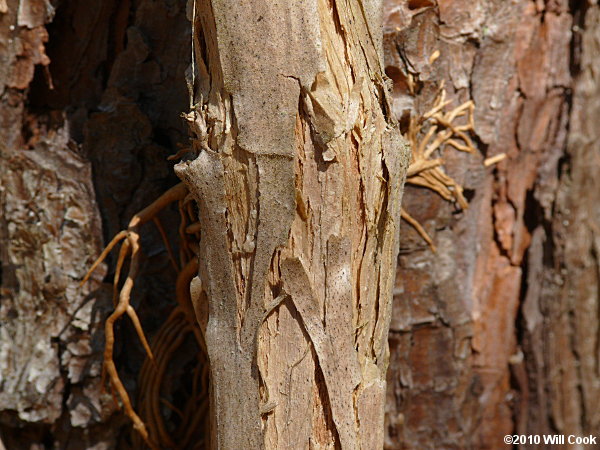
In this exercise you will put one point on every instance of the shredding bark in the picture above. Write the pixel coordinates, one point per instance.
(298, 171)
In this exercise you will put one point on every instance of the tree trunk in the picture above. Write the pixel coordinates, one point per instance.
(494, 333)
(562, 359)
(90, 98)
(298, 179)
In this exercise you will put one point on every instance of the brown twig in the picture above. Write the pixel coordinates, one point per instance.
(131, 248)
(438, 130)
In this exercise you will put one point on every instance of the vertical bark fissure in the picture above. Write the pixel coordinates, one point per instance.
(89, 116)
(494, 264)
(323, 222)
(562, 358)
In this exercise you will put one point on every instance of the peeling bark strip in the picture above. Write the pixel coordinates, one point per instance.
(298, 181)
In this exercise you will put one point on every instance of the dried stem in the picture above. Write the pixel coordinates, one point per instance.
(441, 132)
(174, 331)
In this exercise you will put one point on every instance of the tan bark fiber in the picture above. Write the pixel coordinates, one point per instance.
(297, 171)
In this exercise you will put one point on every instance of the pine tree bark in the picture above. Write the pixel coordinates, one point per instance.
(495, 333)
(90, 98)
(298, 179)
(561, 311)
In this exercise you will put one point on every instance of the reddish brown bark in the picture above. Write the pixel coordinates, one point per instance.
(486, 333)
(561, 309)
(495, 333)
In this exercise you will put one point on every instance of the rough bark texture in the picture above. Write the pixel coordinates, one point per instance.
(101, 107)
(497, 332)
(298, 179)
(561, 309)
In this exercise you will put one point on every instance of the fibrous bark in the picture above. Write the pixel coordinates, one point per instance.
(494, 333)
(297, 169)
